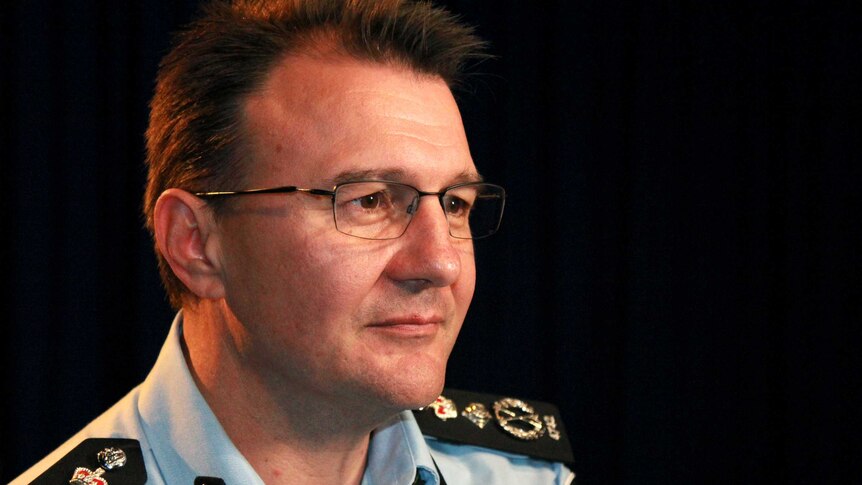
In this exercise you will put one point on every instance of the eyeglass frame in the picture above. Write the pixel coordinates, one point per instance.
(288, 189)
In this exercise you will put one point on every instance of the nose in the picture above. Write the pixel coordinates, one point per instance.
(428, 255)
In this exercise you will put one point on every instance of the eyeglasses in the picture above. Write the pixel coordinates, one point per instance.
(376, 209)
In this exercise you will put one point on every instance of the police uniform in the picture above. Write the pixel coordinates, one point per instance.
(167, 434)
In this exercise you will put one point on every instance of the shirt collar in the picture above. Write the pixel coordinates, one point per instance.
(186, 438)
(188, 441)
(398, 452)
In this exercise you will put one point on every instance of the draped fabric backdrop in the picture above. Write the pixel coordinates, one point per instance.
(679, 262)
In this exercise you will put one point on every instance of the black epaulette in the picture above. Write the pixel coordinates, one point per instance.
(96, 461)
(531, 428)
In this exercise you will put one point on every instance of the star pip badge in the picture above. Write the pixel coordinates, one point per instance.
(519, 419)
(477, 414)
(444, 408)
(109, 458)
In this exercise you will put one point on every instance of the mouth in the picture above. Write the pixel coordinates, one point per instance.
(413, 326)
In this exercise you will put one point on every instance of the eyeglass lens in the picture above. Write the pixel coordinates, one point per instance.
(383, 210)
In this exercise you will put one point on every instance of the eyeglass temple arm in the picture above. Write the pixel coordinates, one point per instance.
(272, 190)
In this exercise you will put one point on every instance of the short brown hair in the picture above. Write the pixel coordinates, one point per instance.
(194, 134)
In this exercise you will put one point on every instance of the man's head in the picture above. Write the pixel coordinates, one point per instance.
(315, 96)
(196, 137)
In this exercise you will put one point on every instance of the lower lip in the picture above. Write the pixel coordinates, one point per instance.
(406, 330)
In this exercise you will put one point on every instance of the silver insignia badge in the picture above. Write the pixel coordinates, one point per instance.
(551, 423)
(109, 458)
(518, 418)
(444, 408)
(477, 414)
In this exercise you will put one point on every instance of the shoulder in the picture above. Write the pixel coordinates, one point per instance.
(96, 461)
(488, 436)
(117, 427)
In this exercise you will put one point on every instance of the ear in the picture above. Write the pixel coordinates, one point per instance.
(187, 238)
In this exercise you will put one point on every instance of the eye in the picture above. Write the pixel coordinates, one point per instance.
(456, 206)
(370, 201)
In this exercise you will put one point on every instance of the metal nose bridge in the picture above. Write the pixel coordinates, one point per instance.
(411, 209)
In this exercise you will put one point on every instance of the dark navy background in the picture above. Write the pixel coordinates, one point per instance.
(678, 267)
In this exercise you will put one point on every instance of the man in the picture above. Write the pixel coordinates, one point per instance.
(313, 203)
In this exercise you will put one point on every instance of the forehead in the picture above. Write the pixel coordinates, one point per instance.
(316, 119)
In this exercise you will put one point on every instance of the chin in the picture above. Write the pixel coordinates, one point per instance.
(414, 385)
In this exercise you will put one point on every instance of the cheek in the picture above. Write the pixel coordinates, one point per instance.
(466, 284)
(336, 278)
(327, 277)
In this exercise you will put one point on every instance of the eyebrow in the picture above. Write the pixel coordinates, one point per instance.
(397, 175)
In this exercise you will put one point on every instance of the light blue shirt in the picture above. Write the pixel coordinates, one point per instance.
(182, 439)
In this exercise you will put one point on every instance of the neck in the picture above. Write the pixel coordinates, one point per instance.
(288, 437)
